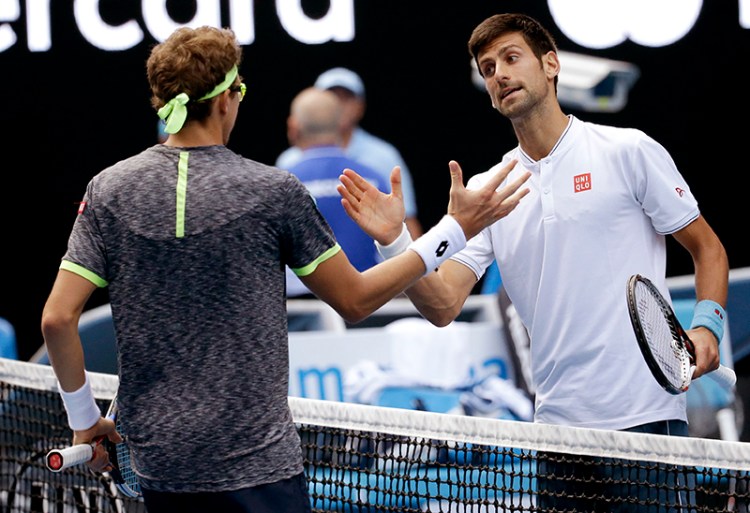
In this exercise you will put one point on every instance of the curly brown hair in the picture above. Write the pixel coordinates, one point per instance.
(191, 61)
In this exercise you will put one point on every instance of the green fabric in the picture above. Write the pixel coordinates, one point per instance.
(309, 268)
(84, 273)
(182, 175)
(175, 110)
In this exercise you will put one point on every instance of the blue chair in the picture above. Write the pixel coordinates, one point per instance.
(8, 346)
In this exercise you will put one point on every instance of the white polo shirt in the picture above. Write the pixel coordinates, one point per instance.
(599, 207)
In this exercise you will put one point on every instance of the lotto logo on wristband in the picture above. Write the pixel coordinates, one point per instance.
(439, 243)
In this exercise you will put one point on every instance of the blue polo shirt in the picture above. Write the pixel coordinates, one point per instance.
(319, 169)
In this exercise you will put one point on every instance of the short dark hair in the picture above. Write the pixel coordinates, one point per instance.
(538, 38)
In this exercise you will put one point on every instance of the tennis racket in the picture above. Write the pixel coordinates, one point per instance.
(121, 474)
(668, 351)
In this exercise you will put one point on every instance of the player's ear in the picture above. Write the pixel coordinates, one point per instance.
(223, 101)
(551, 64)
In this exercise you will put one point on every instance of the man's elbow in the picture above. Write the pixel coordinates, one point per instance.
(353, 313)
(55, 323)
(441, 319)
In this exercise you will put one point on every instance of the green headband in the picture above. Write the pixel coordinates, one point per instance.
(175, 110)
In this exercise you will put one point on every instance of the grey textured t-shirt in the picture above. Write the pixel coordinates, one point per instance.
(193, 245)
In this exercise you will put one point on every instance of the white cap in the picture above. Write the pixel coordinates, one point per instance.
(341, 77)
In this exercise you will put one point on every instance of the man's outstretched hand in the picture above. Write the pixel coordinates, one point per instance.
(381, 215)
(476, 209)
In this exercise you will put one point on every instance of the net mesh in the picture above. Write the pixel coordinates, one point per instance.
(373, 459)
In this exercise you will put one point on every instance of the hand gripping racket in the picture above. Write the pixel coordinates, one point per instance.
(668, 351)
(121, 474)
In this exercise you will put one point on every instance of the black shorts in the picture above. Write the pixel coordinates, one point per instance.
(286, 496)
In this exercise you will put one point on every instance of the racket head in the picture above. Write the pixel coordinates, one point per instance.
(664, 344)
(122, 473)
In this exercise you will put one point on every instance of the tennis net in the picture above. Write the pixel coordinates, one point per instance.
(373, 459)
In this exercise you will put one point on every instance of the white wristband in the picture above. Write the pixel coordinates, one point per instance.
(441, 242)
(81, 406)
(396, 247)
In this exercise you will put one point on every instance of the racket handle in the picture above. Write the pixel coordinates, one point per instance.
(60, 459)
(724, 376)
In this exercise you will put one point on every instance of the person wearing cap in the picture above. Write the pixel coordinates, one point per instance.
(192, 239)
(360, 144)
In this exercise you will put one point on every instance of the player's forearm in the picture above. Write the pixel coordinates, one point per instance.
(437, 300)
(66, 357)
(64, 350)
(711, 289)
(357, 295)
(434, 300)
(712, 276)
(439, 296)
(709, 260)
(410, 262)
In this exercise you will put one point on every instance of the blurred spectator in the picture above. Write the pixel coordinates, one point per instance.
(314, 126)
(359, 144)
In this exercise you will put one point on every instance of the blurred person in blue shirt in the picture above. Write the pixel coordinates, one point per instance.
(314, 126)
(359, 144)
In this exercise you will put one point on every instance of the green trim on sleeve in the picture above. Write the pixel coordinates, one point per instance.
(309, 268)
(84, 273)
(182, 172)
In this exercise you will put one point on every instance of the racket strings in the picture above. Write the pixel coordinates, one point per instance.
(126, 471)
(663, 338)
(124, 476)
(129, 485)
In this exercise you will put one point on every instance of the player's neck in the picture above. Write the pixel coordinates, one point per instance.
(538, 134)
(195, 134)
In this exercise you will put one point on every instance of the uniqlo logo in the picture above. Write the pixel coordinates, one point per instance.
(582, 182)
(81, 207)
